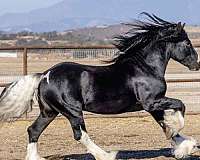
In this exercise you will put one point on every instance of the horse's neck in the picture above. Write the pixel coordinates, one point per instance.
(157, 59)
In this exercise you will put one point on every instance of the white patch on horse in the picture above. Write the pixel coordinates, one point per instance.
(96, 151)
(47, 76)
(32, 152)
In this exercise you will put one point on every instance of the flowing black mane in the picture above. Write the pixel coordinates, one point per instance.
(142, 34)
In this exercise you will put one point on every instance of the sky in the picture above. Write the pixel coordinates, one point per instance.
(17, 6)
(68, 13)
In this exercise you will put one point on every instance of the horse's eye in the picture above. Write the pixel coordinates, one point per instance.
(187, 43)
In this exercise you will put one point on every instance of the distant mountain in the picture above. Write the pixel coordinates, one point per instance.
(100, 33)
(70, 14)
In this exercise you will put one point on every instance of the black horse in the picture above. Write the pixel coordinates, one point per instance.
(133, 81)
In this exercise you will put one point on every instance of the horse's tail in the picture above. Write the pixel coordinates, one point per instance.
(17, 97)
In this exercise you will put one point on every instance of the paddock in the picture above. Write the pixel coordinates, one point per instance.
(136, 136)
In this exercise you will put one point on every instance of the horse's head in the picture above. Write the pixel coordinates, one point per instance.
(157, 36)
(180, 48)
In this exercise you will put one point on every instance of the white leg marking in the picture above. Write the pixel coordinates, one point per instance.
(96, 151)
(47, 76)
(174, 121)
(32, 152)
(184, 146)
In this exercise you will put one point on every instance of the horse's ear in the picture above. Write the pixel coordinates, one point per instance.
(183, 25)
(179, 26)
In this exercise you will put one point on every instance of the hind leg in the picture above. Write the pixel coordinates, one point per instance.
(35, 130)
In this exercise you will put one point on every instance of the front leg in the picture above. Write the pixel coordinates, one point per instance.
(169, 113)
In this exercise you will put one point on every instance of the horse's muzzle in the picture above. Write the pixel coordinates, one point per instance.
(195, 67)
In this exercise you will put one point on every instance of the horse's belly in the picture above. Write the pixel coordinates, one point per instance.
(112, 106)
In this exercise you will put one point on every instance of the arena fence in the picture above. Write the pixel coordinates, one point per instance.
(18, 61)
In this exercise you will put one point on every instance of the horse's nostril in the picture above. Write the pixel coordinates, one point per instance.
(194, 69)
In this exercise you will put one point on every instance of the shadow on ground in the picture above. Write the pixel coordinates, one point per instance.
(123, 155)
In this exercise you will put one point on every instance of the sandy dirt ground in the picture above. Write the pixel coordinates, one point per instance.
(135, 138)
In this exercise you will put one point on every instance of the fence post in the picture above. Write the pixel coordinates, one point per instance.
(25, 62)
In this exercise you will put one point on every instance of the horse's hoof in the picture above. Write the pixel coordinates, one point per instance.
(107, 156)
(185, 148)
(37, 158)
(112, 155)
